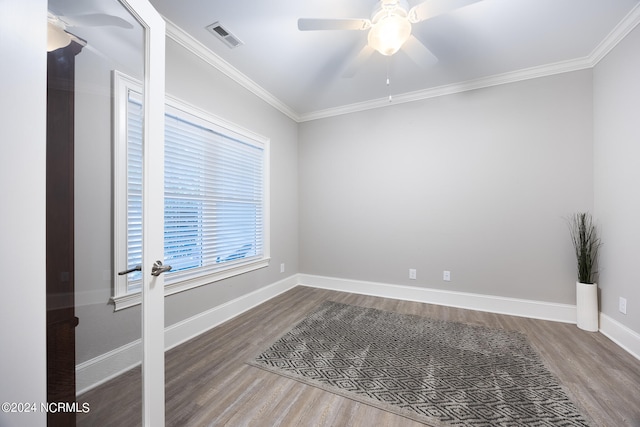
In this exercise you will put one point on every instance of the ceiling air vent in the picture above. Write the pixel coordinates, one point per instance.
(220, 32)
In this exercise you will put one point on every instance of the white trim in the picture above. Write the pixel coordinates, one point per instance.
(185, 40)
(213, 121)
(621, 30)
(621, 335)
(122, 84)
(107, 366)
(101, 369)
(494, 304)
(495, 80)
(628, 23)
(181, 332)
(185, 284)
(130, 300)
(178, 282)
(153, 406)
(624, 337)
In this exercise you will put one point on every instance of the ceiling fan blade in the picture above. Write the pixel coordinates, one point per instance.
(431, 8)
(419, 53)
(313, 24)
(96, 20)
(352, 68)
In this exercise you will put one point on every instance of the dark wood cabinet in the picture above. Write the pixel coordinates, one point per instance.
(61, 320)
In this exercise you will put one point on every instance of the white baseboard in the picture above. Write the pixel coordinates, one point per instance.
(626, 338)
(512, 306)
(109, 365)
(100, 369)
(189, 328)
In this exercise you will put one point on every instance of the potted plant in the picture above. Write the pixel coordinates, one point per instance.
(584, 236)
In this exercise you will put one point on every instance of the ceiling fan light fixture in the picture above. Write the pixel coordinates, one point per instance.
(389, 34)
(56, 37)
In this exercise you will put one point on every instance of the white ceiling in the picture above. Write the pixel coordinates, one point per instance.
(303, 69)
(487, 42)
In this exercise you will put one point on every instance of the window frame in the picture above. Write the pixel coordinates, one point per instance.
(188, 279)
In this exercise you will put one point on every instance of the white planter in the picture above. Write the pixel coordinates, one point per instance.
(587, 306)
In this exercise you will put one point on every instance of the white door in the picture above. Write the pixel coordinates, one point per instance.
(152, 215)
(125, 36)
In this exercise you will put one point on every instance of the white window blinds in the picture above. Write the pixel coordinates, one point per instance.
(213, 197)
(134, 190)
(215, 212)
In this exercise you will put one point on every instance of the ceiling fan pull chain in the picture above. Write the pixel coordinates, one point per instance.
(388, 80)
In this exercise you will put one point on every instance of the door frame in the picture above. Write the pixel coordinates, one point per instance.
(153, 384)
(152, 292)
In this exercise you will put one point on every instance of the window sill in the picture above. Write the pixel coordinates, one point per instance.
(125, 301)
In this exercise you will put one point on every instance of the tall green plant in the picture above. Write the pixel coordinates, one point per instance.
(586, 243)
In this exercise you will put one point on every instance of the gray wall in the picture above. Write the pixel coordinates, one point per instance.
(477, 183)
(23, 41)
(99, 328)
(190, 79)
(617, 175)
(453, 165)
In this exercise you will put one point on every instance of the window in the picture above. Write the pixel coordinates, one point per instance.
(215, 195)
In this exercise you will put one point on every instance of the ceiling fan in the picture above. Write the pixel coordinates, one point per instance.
(389, 29)
(57, 27)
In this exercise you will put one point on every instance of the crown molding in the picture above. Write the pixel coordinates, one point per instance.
(624, 27)
(494, 80)
(185, 40)
(621, 30)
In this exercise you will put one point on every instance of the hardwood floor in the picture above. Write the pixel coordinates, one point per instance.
(208, 383)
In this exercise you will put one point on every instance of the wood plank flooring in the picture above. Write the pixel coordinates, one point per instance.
(208, 383)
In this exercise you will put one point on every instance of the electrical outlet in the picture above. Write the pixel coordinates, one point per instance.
(622, 305)
(282, 268)
(412, 273)
(446, 276)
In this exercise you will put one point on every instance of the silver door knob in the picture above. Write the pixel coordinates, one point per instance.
(158, 268)
(131, 270)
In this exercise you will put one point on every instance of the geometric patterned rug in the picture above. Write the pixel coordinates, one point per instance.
(432, 371)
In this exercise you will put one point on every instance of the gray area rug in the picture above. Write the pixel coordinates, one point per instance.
(436, 372)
